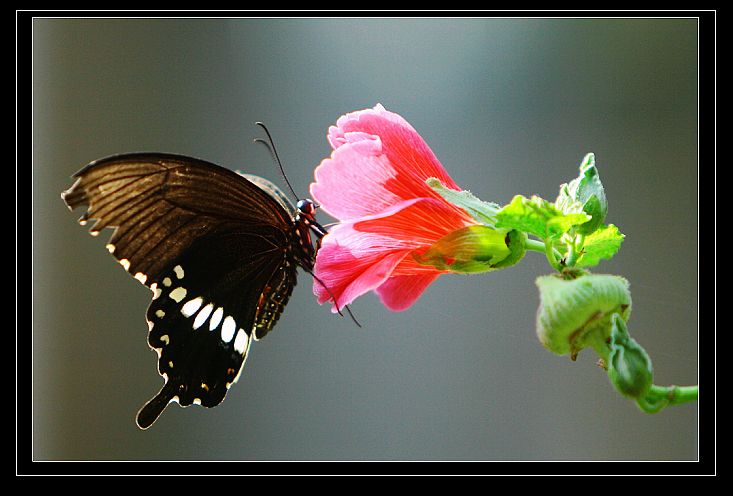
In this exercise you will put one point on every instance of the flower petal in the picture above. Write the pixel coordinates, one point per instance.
(398, 293)
(378, 160)
(419, 222)
(350, 184)
(355, 258)
(336, 133)
(345, 271)
(404, 147)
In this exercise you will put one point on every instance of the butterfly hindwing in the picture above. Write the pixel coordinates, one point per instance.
(205, 314)
(215, 250)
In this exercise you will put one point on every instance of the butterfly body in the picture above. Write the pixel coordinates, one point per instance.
(219, 250)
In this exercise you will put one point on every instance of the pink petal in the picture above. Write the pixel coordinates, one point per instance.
(350, 184)
(419, 222)
(398, 293)
(355, 258)
(404, 147)
(378, 160)
(336, 133)
(346, 271)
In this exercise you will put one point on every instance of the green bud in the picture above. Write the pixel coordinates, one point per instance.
(576, 313)
(629, 366)
(587, 190)
(471, 249)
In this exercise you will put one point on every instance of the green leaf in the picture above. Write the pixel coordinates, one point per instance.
(587, 190)
(565, 201)
(538, 217)
(483, 212)
(601, 244)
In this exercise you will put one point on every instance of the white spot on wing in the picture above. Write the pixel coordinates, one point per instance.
(155, 290)
(125, 263)
(110, 248)
(160, 314)
(141, 277)
(178, 294)
(192, 306)
(202, 316)
(228, 329)
(216, 318)
(240, 343)
(167, 282)
(165, 339)
(179, 271)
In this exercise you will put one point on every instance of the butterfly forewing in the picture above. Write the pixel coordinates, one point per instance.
(161, 203)
(216, 250)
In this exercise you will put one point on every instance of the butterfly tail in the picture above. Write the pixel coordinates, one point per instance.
(149, 413)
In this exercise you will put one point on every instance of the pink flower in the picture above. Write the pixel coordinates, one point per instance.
(374, 184)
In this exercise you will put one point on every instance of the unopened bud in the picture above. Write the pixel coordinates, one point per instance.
(576, 313)
(629, 366)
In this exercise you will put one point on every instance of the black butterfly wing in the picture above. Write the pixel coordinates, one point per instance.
(214, 249)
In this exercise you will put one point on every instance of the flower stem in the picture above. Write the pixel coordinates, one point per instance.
(676, 394)
(541, 247)
(574, 251)
(552, 256)
(659, 397)
(534, 245)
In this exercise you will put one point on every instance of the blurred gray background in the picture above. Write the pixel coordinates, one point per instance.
(510, 106)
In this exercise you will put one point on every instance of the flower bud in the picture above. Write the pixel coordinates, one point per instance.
(576, 313)
(629, 366)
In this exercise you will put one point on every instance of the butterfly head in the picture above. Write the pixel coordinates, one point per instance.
(307, 208)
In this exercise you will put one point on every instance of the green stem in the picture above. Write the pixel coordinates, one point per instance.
(659, 397)
(551, 257)
(574, 250)
(534, 245)
(542, 247)
(675, 394)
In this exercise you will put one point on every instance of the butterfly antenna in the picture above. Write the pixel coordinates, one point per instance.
(273, 151)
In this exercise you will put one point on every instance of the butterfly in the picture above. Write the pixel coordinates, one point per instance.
(219, 250)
